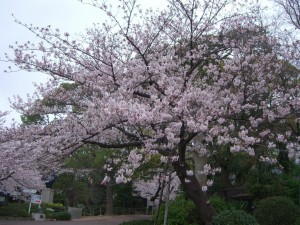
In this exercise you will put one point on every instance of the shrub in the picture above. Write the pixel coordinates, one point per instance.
(234, 217)
(138, 222)
(297, 222)
(49, 214)
(15, 210)
(276, 211)
(218, 203)
(21, 210)
(54, 206)
(181, 212)
(62, 215)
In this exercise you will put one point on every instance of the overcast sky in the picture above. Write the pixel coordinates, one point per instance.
(68, 15)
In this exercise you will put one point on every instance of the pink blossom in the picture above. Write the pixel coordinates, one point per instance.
(140, 87)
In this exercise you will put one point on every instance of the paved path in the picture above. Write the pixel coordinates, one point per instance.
(90, 220)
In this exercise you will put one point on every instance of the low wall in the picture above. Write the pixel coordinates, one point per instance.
(38, 216)
(76, 213)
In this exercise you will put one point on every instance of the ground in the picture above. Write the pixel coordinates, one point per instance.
(90, 220)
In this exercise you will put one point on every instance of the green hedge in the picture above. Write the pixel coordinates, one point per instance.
(54, 206)
(234, 217)
(52, 210)
(58, 215)
(15, 210)
(276, 211)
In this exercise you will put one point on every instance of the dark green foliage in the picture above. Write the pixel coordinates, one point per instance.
(218, 203)
(52, 210)
(138, 222)
(234, 167)
(32, 119)
(74, 189)
(234, 217)
(284, 160)
(54, 206)
(79, 187)
(270, 180)
(123, 195)
(181, 212)
(55, 211)
(297, 221)
(124, 198)
(14, 210)
(240, 205)
(289, 187)
(68, 86)
(276, 211)
(58, 215)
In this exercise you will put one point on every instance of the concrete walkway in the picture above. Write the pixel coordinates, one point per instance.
(89, 220)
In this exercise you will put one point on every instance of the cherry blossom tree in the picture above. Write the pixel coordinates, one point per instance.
(177, 82)
(18, 168)
(152, 188)
(292, 11)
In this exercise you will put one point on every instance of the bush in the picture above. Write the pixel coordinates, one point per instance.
(21, 210)
(297, 222)
(15, 210)
(181, 212)
(54, 206)
(218, 203)
(62, 216)
(276, 211)
(138, 222)
(58, 215)
(234, 217)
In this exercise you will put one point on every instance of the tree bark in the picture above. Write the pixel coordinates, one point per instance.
(200, 162)
(160, 201)
(195, 193)
(109, 200)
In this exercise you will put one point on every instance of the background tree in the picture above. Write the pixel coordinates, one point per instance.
(79, 180)
(292, 11)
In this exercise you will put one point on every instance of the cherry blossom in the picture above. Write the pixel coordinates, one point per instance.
(163, 82)
(149, 188)
(19, 169)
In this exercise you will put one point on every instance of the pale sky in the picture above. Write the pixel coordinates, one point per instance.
(67, 15)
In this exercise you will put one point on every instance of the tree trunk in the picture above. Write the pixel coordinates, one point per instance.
(160, 201)
(200, 162)
(109, 200)
(195, 193)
